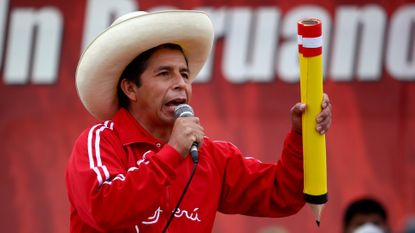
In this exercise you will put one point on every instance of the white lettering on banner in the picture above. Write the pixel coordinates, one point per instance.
(353, 25)
(400, 56)
(4, 7)
(101, 13)
(218, 17)
(249, 49)
(34, 46)
(259, 44)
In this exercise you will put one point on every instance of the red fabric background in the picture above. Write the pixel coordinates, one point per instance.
(370, 147)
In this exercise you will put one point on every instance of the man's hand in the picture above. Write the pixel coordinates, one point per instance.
(323, 119)
(186, 130)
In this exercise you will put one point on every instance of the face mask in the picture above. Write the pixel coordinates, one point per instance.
(369, 228)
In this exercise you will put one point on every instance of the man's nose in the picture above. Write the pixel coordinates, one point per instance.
(179, 81)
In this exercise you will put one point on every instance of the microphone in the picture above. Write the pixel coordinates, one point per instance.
(184, 110)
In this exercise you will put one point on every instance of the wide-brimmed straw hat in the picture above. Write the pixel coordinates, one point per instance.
(102, 63)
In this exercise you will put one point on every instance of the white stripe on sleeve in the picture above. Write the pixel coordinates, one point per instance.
(97, 154)
(99, 177)
(90, 134)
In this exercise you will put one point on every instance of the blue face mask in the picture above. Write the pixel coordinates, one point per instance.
(369, 228)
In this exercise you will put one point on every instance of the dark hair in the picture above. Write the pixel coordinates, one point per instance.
(364, 206)
(137, 67)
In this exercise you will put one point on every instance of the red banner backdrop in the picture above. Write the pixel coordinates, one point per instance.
(243, 95)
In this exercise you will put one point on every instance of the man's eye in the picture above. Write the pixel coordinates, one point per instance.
(163, 73)
(185, 75)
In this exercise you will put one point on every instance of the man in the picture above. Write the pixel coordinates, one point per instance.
(127, 174)
(365, 215)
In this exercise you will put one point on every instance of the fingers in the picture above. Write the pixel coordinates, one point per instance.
(326, 101)
(197, 132)
(198, 138)
(324, 118)
(323, 125)
(193, 129)
(186, 131)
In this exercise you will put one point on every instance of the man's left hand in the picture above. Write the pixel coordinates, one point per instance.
(323, 119)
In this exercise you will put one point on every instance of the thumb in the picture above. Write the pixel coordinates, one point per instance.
(298, 109)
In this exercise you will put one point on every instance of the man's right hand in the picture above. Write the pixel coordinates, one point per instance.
(186, 130)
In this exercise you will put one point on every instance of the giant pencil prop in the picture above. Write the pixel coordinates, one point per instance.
(311, 84)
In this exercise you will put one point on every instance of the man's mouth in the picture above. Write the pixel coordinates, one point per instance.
(174, 102)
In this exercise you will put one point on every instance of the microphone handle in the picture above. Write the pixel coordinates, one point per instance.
(194, 153)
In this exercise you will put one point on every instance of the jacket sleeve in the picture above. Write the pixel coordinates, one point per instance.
(107, 195)
(258, 189)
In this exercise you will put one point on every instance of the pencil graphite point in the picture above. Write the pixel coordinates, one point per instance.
(316, 209)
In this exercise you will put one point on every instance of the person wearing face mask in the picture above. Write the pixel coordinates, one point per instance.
(365, 215)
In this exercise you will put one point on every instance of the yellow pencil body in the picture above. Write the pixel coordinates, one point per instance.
(314, 144)
(311, 85)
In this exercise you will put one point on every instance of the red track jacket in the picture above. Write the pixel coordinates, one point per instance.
(121, 179)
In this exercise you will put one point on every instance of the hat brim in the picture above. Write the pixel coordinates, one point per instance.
(104, 60)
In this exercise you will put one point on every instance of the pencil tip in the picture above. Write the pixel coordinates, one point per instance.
(317, 208)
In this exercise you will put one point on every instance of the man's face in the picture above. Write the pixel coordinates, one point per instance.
(361, 219)
(164, 84)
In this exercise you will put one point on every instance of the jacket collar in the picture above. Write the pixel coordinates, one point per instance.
(129, 130)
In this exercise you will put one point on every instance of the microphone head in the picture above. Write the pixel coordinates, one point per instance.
(183, 110)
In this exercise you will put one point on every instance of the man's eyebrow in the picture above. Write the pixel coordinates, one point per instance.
(163, 68)
(185, 69)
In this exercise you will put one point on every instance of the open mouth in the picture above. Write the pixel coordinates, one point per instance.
(173, 103)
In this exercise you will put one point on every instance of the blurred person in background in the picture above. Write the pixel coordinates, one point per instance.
(365, 215)
(409, 226)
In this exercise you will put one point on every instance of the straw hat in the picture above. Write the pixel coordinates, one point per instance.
(104, 60)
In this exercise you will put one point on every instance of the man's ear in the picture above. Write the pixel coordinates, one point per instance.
(130, 89)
